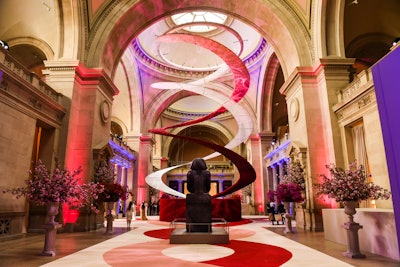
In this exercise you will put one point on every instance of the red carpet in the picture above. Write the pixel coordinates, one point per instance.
(162, 234)
(246, 253)
(252, 254)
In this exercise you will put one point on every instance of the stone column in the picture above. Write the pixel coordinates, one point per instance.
(144, 165)
(256, 162)
(120, 179)
(274, 176)
(265, 140)
(90, 92)
(60, 75)
(310, 95)
(274, 168)
(133, 141)
(281, 169)
(90, 117)
(129, 180)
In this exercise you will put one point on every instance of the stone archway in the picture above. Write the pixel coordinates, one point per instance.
(114, 36)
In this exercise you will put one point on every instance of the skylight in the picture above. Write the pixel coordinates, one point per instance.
(199, 16)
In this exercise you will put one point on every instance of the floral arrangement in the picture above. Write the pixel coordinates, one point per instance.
(350, 185)
(295, 174)
(104, 172)
(292, 185)
(112, 192)
(62, 186)
(286, 192)
(105, 176)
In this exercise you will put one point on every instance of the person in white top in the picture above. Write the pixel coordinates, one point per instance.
(129, 214)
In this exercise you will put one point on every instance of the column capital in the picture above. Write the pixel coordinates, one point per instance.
(88, 77)
(62, 70)
(62, 73)
(147, 139)
(304, 76)
(61, 64)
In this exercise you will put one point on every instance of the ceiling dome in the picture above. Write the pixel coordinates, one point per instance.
(189, 57)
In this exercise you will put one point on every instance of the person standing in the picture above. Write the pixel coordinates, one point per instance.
(143, 209)
(129, 215)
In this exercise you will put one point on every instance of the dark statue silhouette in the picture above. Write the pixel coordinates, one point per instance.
(198, 202)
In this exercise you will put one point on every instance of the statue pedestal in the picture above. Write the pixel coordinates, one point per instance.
(288, 219)
(353, 248)
(288, 224)
(109, 217)
(50, 238)
(198, 213)
(380, 230)
(51, 230)
(216, 235)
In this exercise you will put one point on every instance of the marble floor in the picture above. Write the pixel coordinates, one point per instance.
(134, 247)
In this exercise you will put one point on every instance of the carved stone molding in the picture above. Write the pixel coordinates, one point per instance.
(355, 99)
(27, 93)
(105, 111)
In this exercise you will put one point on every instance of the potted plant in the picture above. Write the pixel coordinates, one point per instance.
(350, 187)
(113, 191)
(295, 174)
(105, 176)
(53, 189)
(287, 193)
(59, 187)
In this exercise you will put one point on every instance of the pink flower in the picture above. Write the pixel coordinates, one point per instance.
(61, 186)
(286, 192)
(350, 185)
(295, 174)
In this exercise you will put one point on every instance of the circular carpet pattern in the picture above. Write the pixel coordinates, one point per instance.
(237, 253)
(198, 252)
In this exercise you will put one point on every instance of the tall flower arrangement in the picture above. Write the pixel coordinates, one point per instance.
(113, 192)
(295, 174)
(60, 186)
(350, 185)
(104, 172)
(292, 185)
(105, 176)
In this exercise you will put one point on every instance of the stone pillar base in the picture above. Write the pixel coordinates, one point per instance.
(353, 249)
(50, 238)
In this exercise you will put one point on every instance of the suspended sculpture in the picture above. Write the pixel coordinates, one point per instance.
(241, 81)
